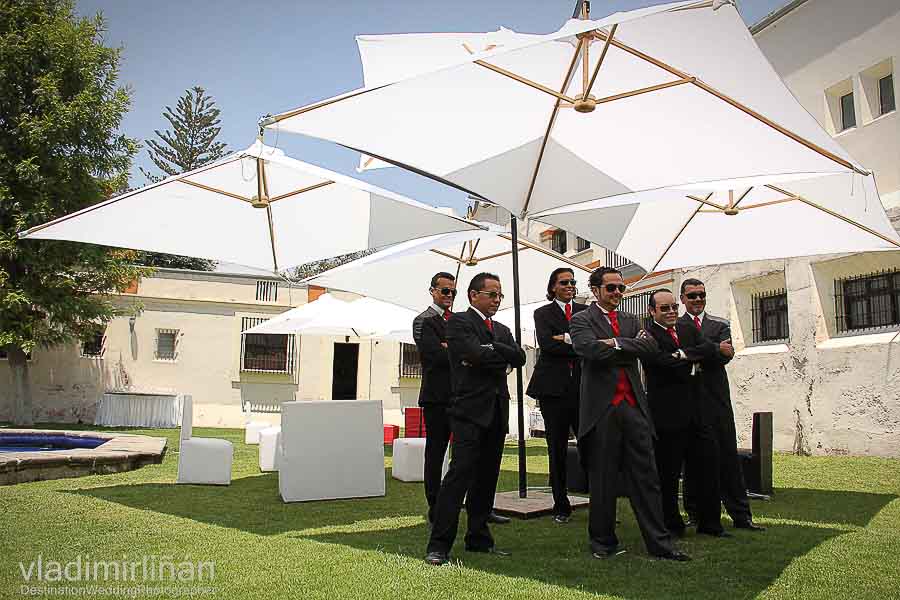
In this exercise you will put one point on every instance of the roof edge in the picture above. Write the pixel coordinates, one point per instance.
(775, 15)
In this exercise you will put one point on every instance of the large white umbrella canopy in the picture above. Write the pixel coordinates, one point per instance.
(677, 94)
(402, 273)
(663, 229)
(306, 213)
(362, 317)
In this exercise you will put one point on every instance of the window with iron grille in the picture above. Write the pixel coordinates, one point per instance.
(870, 301)
(94, 346)
(581, 244)
(848, 112)
(886, 94)
(614, 260)
(166, 344)
(267, 291)
(637, 304)
(770, 317)
(410, 361)
(558, 241)
(265, 352)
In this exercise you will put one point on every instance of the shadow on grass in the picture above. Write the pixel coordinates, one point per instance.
(557, 555)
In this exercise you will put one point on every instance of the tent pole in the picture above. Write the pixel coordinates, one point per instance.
(520, 386)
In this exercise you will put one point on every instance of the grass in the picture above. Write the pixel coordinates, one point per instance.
(834, 532)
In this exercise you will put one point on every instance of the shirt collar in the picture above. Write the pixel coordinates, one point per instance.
(701, 316)
(658, 324)
(438, 309)
(483, 318)
(562, 305)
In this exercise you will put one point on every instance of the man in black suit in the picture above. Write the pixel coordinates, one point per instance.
(480, 352)
(429, 333)
(556, 379)
(615, 431)
(715, 379)
(681, 414)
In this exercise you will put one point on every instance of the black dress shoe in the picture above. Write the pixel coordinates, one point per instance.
(562, 519)
(749, 525)
(497, 519)
(605, 553)
(492, 550)
(721, 533)
(676, 555)
(437, 558)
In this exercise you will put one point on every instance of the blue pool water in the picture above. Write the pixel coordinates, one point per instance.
(45, 442)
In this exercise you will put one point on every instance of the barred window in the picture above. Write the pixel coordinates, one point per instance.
(637, 304)
(581, 244)
(770, 317)
(266, 352)
(267, 291)
(410, 361)
(868, 301)
(614, 260)
(166, 344)
(94, 346)
(558, 241)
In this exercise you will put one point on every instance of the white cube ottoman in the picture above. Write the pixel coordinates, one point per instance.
(269, 448)
(409, 459)
(252, 429)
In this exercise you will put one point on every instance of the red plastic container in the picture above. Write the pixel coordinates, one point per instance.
(414, 422)
(391, 433)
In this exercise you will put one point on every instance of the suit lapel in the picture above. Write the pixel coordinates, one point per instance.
(484, 334)
(600, 321)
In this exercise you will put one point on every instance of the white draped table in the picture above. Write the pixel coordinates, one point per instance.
(131, 409)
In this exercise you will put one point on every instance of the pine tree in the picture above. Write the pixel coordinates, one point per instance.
(192, 141)
(190, 144)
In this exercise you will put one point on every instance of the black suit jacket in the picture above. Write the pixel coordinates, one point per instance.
(552, 375)
(477, 370)
(676, 397)
(435, 389)
(715, 377)
(601, 363)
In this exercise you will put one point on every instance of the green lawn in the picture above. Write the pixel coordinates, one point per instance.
(834, 532)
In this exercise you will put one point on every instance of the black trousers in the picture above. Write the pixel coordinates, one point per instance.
(437, 438)
(617, 452)
(474, 469)
(697, 445)
(732, 489)
(560, 415)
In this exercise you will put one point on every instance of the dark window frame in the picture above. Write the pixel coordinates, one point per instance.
(581, 244)
(410, 361)
(164, 356)
(559, 241)
(887, 102)
(867, 302)
(852, 106)
(96, 346)
(265, 352)
(770, 320)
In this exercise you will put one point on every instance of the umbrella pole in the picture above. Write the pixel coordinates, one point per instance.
(520, 394)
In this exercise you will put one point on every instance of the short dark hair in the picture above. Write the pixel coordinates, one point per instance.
(477, 282)
(652, 300)
(441, 275)
(552, 282)
(596, 279)
(690, 281)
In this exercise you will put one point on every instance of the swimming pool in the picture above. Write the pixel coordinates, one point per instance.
(45, 442)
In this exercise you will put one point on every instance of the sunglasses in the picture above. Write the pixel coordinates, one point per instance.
(613, 287)
(446, 291)
(567, 282)
(695, 295)
(668, 307)
(492, 295)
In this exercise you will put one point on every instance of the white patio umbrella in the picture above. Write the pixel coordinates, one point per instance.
(400, 274)
(257, 207)
(664, 229)
(658, 97)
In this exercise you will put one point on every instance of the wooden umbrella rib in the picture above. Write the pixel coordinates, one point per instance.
(214, 190)
(520, 79)
(834, 214)
(744, 195)
(301, 191)
(768, 203)
(272, 236)
(638, 92)
(305, 109)
(590, 86)
(706, 201)
(446, 255)
(542, 250)
(570, 72)
(731, 101)
(675, 239)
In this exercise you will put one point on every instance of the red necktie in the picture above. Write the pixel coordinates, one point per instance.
(614, 321)
(489, 324)
(446, 314)
(673, 335)
(568, 312)
(697, 323)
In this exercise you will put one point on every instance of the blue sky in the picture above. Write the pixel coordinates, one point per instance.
(266, 57)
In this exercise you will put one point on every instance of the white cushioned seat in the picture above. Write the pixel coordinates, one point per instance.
(202, 460)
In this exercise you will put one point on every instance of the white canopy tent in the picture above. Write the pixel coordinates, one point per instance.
(258, 208)
(400, 274)
(547, 121)
(664, 229)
